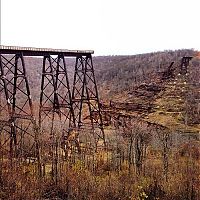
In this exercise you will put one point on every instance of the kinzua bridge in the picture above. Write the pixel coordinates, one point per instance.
(21, 130)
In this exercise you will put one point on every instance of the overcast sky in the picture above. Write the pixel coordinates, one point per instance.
(109, 27)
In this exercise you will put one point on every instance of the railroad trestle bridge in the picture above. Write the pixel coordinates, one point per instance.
(19, 126)
(65, 113)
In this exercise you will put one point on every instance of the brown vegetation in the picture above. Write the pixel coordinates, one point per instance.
(152, 134)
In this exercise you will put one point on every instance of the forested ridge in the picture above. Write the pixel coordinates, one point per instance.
(121, 73)
(117, 74)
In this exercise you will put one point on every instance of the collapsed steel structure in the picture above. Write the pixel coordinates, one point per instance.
(19, 130)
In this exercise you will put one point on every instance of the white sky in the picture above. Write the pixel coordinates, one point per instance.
(109, 27)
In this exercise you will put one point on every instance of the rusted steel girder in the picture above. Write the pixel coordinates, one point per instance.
(56, 102)
(55, 95)
(85, 100)
(31, 51)
(55, 111)
(17, 123)
(184, 64)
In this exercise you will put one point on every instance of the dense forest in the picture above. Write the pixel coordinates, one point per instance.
(151, 114)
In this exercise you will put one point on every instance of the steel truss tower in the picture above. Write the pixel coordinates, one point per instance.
(65, 114)
(55, 96)
(184, 64)
(59, 109)
(17, 124)
(55, 105)
(85, 100)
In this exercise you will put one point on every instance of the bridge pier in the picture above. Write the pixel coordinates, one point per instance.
(85, 100)
(17, 119)
(185, 64)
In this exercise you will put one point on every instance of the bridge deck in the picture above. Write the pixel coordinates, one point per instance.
(31, 51)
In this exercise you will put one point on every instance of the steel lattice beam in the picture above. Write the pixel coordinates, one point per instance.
(55, 110)
(55, 104)
(55, 96)
(184, 64)
(17, 120)
(85, 99)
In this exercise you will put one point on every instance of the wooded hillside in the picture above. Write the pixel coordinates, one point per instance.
(116, 74)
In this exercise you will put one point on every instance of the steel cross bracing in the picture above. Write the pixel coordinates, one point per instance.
(56, 110)
(184, 64)
(55, 96)
(17, 124)
(85, 100)
(56, 103)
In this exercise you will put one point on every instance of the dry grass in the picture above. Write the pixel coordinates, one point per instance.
(101, 180)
